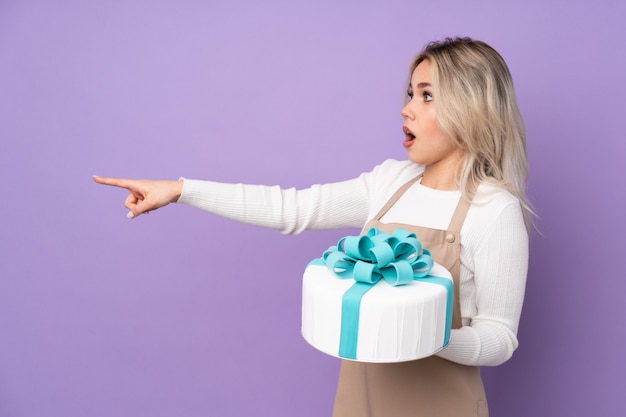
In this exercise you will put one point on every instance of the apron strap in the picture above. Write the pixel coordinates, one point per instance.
(396, 196)
(459, 215)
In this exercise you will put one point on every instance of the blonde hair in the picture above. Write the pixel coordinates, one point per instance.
(477, 108)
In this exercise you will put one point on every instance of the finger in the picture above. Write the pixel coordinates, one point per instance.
(137, 211)
(137, 204)
(143, 207)
(132, 201)
(132, 215)
(116, 182)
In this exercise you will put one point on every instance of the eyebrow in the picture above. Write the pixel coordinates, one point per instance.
(420, 85)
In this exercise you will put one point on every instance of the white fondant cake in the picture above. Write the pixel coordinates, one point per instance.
(395, 324)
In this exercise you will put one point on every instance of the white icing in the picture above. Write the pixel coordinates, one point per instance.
(395, 323)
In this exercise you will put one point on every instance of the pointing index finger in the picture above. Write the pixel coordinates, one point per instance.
(116, 182)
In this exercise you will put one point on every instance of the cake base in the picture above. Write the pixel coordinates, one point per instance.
(395, 324)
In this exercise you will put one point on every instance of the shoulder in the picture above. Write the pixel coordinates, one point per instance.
(392, 171)
(384, 179)
(494, 233)
(494, 207)
(390, 175)
(493, 197)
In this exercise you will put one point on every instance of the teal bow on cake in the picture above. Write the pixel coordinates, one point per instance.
(397, 258)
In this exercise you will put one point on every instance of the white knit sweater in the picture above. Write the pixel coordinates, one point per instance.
(494, 241)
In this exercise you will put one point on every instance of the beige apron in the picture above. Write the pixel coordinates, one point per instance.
(430, 387)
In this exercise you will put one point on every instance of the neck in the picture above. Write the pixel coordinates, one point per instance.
(440, 177)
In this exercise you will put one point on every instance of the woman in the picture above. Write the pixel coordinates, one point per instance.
(461, 191)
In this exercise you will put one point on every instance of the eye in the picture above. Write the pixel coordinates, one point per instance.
(427, 96)
(410, 94)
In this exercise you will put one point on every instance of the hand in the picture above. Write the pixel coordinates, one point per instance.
(145, 195)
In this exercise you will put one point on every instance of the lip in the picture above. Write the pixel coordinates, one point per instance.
(409, 137)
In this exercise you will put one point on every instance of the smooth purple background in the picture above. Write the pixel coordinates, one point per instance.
(182, 313)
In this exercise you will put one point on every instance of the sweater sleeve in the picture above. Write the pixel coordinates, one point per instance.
(328, 206)
(291, 211)
(500, 266)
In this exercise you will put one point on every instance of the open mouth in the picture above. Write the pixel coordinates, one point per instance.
(408, 136)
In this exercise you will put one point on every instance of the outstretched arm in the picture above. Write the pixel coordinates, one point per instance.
(327, 206)
(145, 195)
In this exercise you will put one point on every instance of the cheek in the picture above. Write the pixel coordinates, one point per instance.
(434, 129)
(439, 141)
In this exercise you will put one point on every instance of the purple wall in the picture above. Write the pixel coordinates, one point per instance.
(102, 316)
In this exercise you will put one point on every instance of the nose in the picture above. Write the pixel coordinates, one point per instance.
(406, 112)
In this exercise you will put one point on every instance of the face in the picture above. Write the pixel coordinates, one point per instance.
(426, 143)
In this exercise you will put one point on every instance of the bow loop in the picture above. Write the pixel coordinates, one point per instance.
(366, 273)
